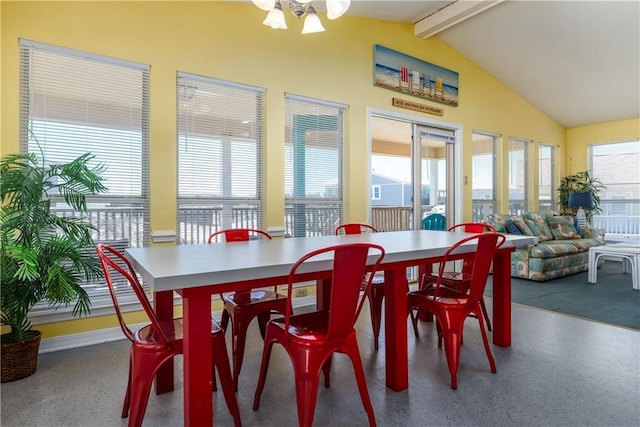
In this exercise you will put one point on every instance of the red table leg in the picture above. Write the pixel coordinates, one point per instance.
(198, 409)
(163, 306)
(395, 318)
(502, 297)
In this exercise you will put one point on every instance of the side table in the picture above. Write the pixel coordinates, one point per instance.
(629, 253)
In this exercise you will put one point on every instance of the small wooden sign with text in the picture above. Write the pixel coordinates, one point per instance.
(416, 106)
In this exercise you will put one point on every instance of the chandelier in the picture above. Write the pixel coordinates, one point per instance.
(312, 24)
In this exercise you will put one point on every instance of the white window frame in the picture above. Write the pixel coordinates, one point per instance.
(551, 177)
(219, 156)
(526, 145)
(72, 102)
(313, 124)
(479, 205)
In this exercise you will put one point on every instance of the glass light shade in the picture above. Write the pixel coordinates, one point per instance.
(312, 23)
(275, 18)
(337, 8)
(265, 4)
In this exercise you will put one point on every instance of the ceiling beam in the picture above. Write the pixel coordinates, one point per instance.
(452, 14)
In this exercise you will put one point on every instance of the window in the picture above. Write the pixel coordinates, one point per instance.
(313, 166)
(76, 102)
(375, 192)
(219, 155)
(483, 174)
(616, 165)
(518, 173)
(546, 177)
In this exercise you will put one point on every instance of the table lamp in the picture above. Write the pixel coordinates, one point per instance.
(581, 200)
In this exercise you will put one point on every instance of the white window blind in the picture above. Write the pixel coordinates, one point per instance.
(76, 102)
(220, 161)
(313, 166)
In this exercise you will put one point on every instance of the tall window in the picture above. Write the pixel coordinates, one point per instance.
(76, 102)
(616, 165)
(219, 156)
(483, 174)
(313, 166)
(546, 177)
(518, 173)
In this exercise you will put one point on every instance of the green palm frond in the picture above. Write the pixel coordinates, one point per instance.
(45, 256)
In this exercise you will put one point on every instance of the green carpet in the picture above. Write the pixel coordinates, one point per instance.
(611, 300)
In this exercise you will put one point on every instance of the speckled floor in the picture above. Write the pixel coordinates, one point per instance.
(560, 371)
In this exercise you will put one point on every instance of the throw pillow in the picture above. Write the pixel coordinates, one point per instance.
(538, 225)
(498, 222)
(562, 228)
(522, 226)
(512, 228)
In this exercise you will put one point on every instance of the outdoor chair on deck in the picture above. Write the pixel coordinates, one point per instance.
(243, 306)
(460, 280)
(310, 339)
(434, 221)
(451, 307)
(156, 343)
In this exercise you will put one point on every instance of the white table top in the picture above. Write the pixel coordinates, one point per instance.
(185, 266)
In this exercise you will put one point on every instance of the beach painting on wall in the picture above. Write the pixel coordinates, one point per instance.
(403, 73)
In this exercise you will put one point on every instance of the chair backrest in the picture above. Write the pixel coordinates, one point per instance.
(119, 272)
(481, 258)
(473, 227)
(355, 228)
(239, 234)
(434, 221)
(348, 267)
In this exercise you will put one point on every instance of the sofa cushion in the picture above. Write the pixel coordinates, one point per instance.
(518, 220)
(499, 221)
(537, 223)
(562, 228)
(512, 228)
(553, 248)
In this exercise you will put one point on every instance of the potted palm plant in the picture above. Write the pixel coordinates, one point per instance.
(43, 256)
(581, 182)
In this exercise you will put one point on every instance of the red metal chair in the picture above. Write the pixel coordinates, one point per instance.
(310, 339)
(243, 306)
(376, 291)
(157, 342)
(451, 307)
(460, 280)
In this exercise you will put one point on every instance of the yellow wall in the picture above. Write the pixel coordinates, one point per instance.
(226, 40)
(579, 139)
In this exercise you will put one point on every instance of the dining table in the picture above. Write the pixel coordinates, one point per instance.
(198, 271)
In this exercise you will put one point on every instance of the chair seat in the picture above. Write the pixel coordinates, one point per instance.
(307, 327)
(446, 296)
(173, 330)
(256, 296)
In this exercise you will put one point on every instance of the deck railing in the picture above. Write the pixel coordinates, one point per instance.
(116, 224)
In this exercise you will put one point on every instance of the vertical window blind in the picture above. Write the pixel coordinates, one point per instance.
(313, 166)
(219, 156)
(74, 102)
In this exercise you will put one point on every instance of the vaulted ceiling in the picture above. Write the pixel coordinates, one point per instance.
(577, 61)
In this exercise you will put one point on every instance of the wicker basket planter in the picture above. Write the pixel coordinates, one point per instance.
(19, 360)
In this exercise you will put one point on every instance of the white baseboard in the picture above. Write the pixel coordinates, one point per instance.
(66, 342)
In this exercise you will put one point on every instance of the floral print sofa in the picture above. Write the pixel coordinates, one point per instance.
(560, 250)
